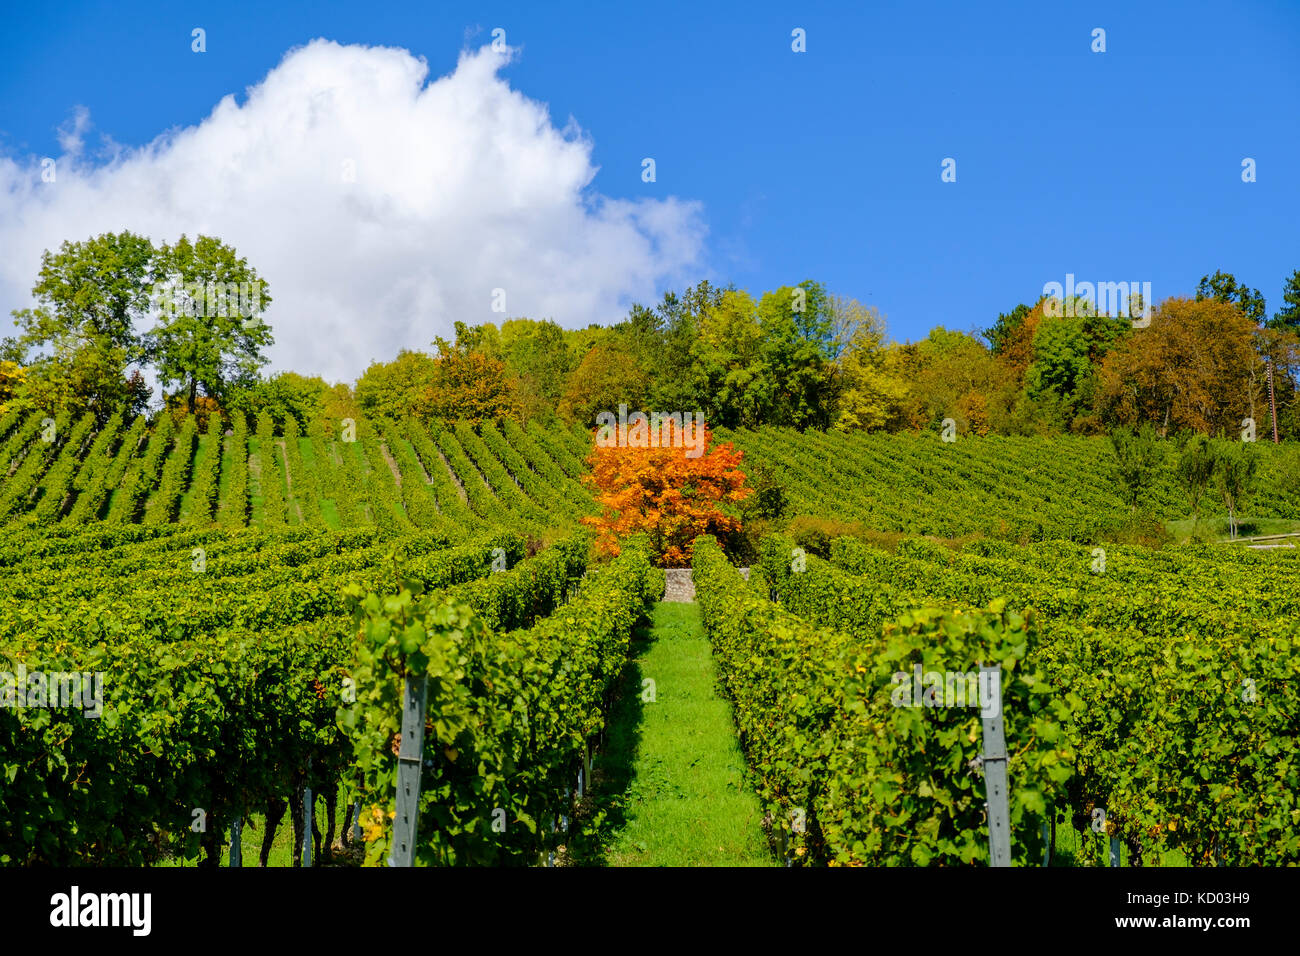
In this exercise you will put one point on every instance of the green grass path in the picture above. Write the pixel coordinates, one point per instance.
(671, 783)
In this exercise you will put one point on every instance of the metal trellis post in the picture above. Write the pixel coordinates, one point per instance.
(995, 773)
(236, 844)
(306, 826)
(410, 760)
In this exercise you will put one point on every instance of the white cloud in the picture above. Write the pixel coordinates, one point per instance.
(462, 186)
(71, 133)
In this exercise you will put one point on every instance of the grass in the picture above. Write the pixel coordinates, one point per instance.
(282, 846)
(1216, 528)
(329, 513)
(255, 499)
(1087, 849)
(670, 788)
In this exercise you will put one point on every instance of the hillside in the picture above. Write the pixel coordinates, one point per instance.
(396, 477)
(1017, 488)
(456, 479)
(223, 587)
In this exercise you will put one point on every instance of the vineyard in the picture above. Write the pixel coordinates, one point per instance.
(1152, 692)
(1032, 489)
(239, 607)
(488, 445)
(395, 477)
(208, 578)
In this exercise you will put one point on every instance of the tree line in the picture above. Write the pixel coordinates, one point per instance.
(796, 356)
(111, 306)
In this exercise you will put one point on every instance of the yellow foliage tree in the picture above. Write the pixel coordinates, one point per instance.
(12, 376)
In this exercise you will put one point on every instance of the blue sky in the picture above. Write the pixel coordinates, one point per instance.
(1123, 165)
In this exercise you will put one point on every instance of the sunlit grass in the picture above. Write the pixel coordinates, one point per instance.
(282, 847)
(672, 781)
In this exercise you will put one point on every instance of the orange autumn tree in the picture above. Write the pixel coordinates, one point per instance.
(665, 491)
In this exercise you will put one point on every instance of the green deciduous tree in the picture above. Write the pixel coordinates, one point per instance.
(1224, 287)
(1196, 469)
(668, 354)
(871, 391)
(1137, 456)
(398, 389)
(1061, 372)
(738, 386)
(539, 359)
(95, 291)
(798, 343)
(1236, 465)
(79, 342)
(1286, 473)
(301, 398)
(606, 377)
(210, 331)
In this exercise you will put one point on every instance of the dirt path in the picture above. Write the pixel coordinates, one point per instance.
(460, 487)
(392, 464)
